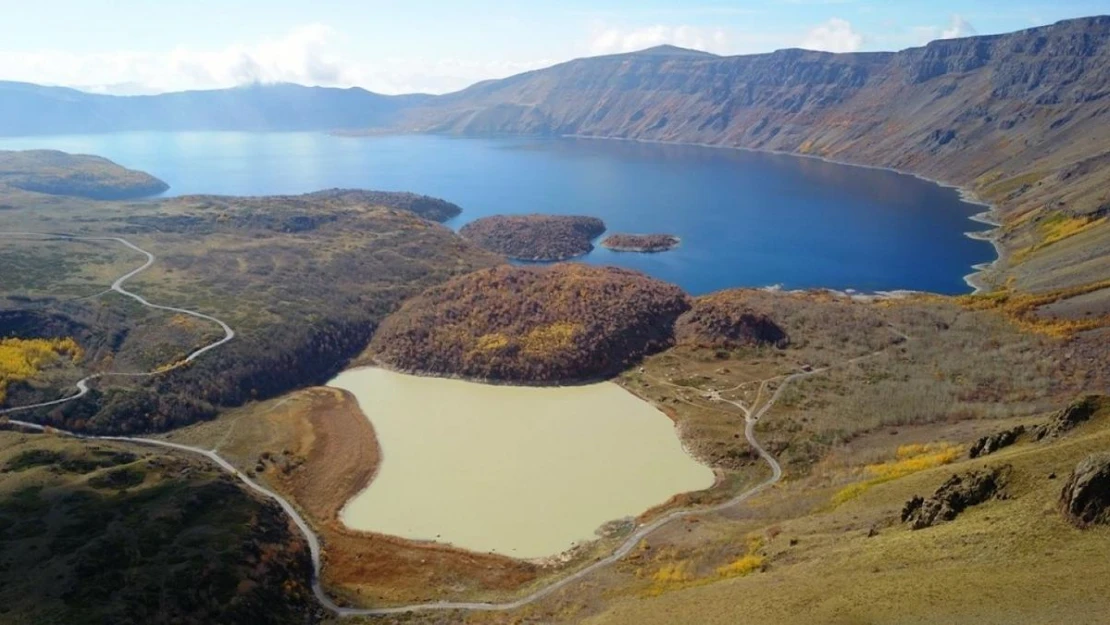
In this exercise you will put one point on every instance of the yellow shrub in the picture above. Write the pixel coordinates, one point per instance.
(22, 359)
(550, 338)
(907, 459)
(850, 492)
(490, 342)
(742, 566)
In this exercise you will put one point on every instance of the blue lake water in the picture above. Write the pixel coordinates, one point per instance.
(745, 218)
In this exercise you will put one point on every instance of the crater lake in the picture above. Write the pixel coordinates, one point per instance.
(744, 218)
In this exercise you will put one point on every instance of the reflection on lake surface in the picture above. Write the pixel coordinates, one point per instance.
(525, 472)
(745, 218)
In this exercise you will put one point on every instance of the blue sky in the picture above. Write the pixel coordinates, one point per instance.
(140, 46)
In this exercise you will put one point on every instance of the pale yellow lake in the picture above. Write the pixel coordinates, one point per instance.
(525, 472)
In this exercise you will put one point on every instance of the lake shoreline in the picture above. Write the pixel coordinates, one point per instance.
(977, 280)
(514, 417)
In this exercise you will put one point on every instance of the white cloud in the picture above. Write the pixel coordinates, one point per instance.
(958, 27)
(607, 40)
(835, 35)
(312, 55)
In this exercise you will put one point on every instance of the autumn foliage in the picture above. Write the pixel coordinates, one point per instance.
(535, 237)
(566, 322)
(23, 359)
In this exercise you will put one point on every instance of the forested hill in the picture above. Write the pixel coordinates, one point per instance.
(27, 109)
(1023, 119)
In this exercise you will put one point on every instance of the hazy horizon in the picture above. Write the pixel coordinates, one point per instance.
(437, 47)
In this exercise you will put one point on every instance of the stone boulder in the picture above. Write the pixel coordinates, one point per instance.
(992, 443)
(1086, 496)
(957, 494)
(1071, 417)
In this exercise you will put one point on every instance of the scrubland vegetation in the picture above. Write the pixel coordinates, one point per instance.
(640, 242)
(535, 237)
(527, 324)
(113, 534)
(303, 280)
(23, 359)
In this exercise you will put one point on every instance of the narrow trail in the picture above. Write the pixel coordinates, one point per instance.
(752, 415)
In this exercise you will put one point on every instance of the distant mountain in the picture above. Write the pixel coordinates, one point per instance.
(27, 109)
(1023, 119)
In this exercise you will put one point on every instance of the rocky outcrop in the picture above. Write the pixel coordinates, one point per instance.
(989, 444)
(957, 494)
(1085, 499)
(1071, 417)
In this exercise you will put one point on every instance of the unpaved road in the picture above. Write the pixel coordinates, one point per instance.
(752, 415)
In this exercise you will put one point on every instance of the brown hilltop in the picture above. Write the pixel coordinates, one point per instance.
(567, 322)
(535, 237)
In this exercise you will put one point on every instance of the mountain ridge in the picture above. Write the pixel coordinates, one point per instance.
(1020, 120)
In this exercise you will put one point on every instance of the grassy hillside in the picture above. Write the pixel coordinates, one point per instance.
(58, 173)
(303, 280)
(110, 533)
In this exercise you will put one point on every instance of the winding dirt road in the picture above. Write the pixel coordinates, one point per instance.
(752, 415)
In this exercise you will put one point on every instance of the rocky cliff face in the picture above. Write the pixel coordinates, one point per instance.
(1022, 119)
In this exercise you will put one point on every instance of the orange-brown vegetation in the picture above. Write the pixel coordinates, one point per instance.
(535, 237)
(640, 242)
(1022, 309)
(532, 324)
(729, 319)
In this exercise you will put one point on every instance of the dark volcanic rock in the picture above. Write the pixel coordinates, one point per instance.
(1086, 497)
(953, 497)
(990, 444)
(1076, 413)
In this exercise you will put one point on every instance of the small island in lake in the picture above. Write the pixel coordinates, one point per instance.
(641, 242)
(535, 237)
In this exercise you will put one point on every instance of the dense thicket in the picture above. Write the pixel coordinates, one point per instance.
(640, 242)
(567, 322)
(535, 237)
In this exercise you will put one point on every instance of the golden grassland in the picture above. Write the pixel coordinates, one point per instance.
(908, 459)
(1022, 309)
(1010, 561)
